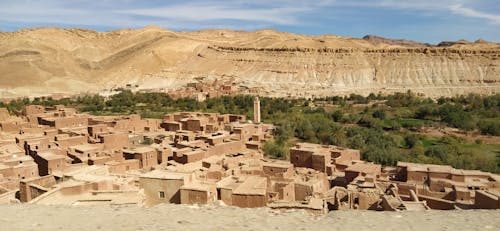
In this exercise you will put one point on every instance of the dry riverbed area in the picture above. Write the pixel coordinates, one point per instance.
(183, 217)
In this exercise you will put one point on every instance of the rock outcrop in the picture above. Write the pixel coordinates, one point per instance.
(399, 42)
(49, 60)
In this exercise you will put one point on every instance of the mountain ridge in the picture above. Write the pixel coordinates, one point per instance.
(42, 61)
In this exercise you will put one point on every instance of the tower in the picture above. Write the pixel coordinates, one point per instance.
(256, 110)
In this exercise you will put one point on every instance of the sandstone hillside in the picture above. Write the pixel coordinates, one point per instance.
(50, 60)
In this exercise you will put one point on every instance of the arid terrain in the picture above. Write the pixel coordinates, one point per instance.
(35, 62)
(183, 217)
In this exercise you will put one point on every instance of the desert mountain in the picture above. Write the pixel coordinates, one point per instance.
(400, 42)
(50, 60)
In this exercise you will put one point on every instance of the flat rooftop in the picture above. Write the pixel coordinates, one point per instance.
(365, 168)
(277, 164)
(166, 175)
(51, 156)
(87, 147)
(253, 185)
(140, 149)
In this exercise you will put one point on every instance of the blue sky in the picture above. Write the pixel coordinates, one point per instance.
(421, 20)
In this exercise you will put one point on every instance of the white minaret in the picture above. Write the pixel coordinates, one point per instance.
(256, 110)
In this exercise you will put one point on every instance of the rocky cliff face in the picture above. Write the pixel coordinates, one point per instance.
(49, 60)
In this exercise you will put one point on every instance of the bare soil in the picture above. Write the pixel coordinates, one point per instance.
(183, 217)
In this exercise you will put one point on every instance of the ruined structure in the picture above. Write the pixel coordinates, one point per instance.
(55, 155)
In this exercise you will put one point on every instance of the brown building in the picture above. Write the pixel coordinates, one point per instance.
(163, 187)
(251, 193)
(147, 156)
(114, 140)
(323, 158)
(50, 163)
(198, 193)
(363, 170)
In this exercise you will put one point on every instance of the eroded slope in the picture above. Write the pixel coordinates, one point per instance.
(50, 60)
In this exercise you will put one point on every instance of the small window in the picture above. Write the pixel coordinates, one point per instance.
(161, 194)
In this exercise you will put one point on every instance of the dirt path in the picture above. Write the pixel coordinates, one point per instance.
(181, 217)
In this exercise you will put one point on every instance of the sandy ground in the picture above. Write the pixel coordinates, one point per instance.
(182, 217)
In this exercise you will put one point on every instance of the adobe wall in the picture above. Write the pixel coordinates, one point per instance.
(32, 110)
(404, 189)
(319, 162)
(226, 196)
(225, 148)
(47, 167)
(417, 176)
(436, 203)
(249, 201)
(189, 157)
(149, 159)
(194, 125)
(97, 129)
(164, 155)
(286, 191)
(25, 171)
(458, 178)
(274, 171)
(439, 175)
(366, 200)
(152, 187)
(77, 189)
(171, 126)
(71, 141)
(20, 171)
(115, 140)
(190, 196)
(351, 175)
(123, 166)
(300, 158)
(302, 191)
(99, 160)
(10, 127)
(485, 200)
(462, 195)
(65, 122)
(4, 114)
(43, 166)
(28, 191)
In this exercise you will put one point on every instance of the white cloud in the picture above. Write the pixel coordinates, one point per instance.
(197, 14)
(468, 12)
(130, 13)
(458, 7)
(204, 12)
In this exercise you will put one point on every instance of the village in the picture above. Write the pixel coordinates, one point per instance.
(55, 155)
